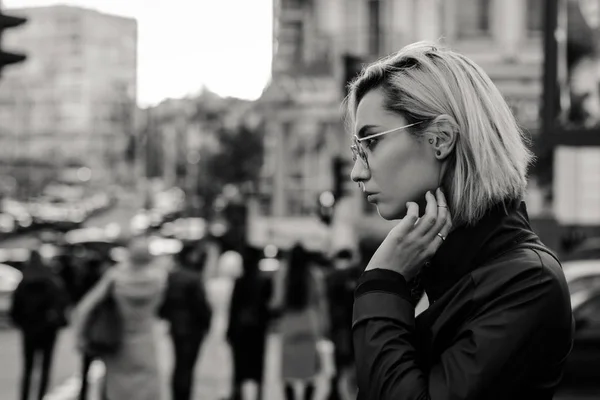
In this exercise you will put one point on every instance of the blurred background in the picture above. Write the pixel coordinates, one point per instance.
(221, 121)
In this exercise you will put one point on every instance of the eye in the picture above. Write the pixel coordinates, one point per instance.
(371, 143)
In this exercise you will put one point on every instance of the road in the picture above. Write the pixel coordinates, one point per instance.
(121, 214)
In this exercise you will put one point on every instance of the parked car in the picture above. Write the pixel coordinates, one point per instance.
(581, 275)
(589, 249)
(583, 365)
(15, 257)
(10, 278)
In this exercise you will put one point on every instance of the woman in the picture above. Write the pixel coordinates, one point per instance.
(186, 309)
(437, 147)
(138, 285)
(302, 323)
(91, 273)
(39, 310)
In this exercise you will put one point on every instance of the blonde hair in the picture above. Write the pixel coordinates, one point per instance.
(426, 83)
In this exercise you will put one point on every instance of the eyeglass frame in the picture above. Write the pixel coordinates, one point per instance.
(359, 152)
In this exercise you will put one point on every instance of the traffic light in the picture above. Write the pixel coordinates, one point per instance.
(7, 57)
(341, 177)
(325, 207)
(353, 66)
(236, 216)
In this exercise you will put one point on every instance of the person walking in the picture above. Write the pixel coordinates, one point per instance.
(91, 272)
(137, 285)
(38, 310)
(303, 322)
(186, 309)
(341, 283)
(248, 325)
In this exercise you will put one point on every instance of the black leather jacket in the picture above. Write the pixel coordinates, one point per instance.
(499, 324)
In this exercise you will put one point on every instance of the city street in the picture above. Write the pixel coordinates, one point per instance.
(213, 371)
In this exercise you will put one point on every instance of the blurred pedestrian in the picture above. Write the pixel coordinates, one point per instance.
(248, 325)
(303, 322)
(186, 309)
(341, 282)
(137, 285)
(39, 309)
(90, 274)
(437, 149)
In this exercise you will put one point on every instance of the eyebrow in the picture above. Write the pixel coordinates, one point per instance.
(362, 132)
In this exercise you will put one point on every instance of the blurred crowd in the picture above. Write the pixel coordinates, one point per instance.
(116, 294)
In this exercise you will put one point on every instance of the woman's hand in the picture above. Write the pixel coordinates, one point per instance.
(410, 243)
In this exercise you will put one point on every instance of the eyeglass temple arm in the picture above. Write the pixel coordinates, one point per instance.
(386, 132)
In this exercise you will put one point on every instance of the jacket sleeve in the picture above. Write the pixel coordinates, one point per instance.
(201, 307)
(15, 312)
(478, 359)
(83, 310)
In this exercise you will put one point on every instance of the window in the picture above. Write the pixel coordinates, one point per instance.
(296, 39)
(535, 17)
(473, 18)
(374, 44)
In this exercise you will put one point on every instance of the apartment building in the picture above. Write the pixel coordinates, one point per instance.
(75, 96)
(302, 104)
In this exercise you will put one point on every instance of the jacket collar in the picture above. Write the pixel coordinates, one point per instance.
(504, 226)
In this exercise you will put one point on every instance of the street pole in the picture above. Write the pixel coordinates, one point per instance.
(551, 93)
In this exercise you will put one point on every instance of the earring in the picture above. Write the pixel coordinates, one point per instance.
(430, 141)
(438, 153)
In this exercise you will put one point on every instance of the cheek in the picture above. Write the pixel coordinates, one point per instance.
(405, 173)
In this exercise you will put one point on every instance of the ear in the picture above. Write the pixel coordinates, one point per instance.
(442, 136)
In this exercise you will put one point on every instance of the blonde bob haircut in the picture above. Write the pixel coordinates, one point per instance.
(426, 83)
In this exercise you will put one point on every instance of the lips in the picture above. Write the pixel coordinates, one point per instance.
(371, 197)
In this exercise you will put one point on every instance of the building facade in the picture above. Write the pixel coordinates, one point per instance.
(74, 98)
(304, 130)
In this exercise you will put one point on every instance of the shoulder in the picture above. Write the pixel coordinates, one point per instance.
(526, 273)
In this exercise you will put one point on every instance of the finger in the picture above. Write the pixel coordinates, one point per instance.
(407, 223)
(442, 229)
(438, 239)
(429, 219)
(442, 215)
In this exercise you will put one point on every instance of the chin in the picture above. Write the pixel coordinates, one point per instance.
(390, 213)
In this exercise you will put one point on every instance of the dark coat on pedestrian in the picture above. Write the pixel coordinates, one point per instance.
(185, 306)
(249, 318)
(40, 300)
(38, 309)
(340, 298)
(499, 325)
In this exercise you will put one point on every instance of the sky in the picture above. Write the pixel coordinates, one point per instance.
(185, 45)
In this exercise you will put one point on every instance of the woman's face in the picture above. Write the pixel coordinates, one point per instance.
(401, 168)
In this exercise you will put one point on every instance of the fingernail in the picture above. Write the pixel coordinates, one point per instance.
(428, 193)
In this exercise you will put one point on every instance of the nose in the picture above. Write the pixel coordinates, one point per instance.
(360, 172)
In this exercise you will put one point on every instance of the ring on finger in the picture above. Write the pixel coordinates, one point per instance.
(441, 236)
(443, 206)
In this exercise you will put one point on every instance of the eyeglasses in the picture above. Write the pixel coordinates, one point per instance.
(358, 151)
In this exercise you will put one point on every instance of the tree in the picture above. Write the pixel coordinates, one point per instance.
(238, 161)
(240, 157)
